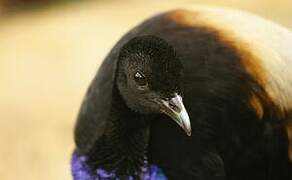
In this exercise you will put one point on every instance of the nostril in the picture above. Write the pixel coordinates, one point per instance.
(173, 106)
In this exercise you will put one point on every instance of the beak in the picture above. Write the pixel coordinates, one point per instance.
(176, 110)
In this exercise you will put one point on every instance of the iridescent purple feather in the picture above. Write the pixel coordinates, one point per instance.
(81, 171)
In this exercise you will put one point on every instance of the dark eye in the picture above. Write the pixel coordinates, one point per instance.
(140, 79)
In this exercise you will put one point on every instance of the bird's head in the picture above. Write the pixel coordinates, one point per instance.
(148, 78)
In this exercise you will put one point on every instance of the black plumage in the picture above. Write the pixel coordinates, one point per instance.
(239, 125)
(147, 75)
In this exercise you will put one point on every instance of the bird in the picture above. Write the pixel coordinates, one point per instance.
(199, 93)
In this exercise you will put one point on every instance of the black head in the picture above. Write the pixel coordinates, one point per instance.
(149, 76)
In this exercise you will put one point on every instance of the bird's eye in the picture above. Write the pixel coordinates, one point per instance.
(140, 79)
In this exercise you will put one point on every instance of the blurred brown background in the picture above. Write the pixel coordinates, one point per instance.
(49, 52)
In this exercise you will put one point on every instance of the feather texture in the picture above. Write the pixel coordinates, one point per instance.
(81, 171)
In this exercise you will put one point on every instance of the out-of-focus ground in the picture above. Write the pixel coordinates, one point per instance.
(48, 57)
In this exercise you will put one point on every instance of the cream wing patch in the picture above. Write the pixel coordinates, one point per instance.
(269, 43)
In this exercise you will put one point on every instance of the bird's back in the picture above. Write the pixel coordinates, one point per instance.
(236, 78)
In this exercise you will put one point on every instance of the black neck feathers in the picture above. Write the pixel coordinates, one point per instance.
(122, 146)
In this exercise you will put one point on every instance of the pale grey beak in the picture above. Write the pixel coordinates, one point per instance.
(176, 110)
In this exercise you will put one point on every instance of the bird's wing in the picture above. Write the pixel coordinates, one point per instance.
(94, 111)
(270, 43)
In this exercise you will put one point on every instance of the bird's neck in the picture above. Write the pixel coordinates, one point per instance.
(123, 146)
